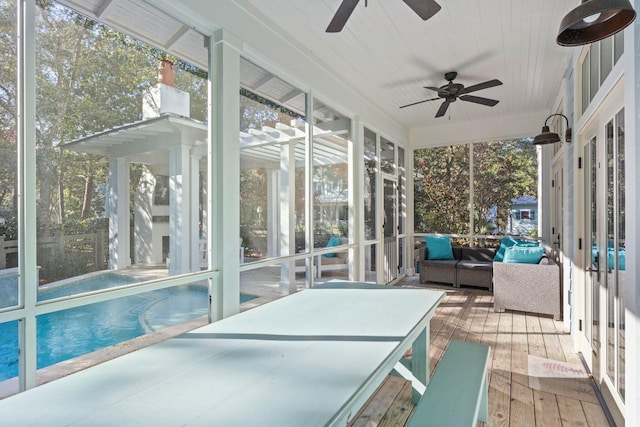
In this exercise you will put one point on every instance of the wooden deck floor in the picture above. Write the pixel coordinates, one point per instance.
(467, 314)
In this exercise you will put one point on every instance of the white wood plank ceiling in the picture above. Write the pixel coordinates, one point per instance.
(388, 54)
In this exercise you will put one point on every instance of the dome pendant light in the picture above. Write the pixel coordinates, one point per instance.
(594, 20)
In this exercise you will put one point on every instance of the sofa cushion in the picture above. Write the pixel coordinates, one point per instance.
(523, 254)
(477, 254)
(439, 247)
(474, 265)
(508, 242)
(441, 263)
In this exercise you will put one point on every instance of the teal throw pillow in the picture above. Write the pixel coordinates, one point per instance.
(611, 255)
(508, 242)
(523, 254)
(333, 241)
(439, 247)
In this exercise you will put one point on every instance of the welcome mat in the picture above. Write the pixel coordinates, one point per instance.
(565, 379)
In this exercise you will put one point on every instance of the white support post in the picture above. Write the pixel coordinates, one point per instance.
(287, 217)
(194, 213)
(224, 171)
(179, 207)
(27, 248)
(118, 211)
(356, 201)
(271, 216)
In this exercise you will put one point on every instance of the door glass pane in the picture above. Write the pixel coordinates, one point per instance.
(621, 249)
(610, 267)
(594, 310)
(370, 180)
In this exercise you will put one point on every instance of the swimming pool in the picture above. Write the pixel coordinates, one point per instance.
(71, 333)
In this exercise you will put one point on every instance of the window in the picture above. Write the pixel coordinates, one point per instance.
(597, 65)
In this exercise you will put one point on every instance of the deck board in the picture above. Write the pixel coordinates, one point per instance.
(467, 314)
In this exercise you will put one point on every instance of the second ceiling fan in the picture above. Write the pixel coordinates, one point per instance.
(424, 8)
(454, 91)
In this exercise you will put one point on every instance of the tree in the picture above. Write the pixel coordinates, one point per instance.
(503, 171)
(441, 177)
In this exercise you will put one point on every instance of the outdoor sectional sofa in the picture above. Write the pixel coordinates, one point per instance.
(470, 266)
(518, 286)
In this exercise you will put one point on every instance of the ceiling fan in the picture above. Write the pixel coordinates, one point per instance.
(454, 91)
(424, 8)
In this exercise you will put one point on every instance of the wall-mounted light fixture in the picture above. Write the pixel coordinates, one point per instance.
(594, 20)
(548, 137)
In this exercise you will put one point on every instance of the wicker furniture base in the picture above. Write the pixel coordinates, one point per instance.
(531, 288)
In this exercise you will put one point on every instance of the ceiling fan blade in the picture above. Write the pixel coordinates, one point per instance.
(443, 109)
(419, 102)
(342, 16)
(438, 89)
(424, 8)
(479, 86)
(479, 100)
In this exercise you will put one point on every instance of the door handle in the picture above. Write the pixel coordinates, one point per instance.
(594, 270)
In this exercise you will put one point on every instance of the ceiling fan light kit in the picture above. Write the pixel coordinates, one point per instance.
(451, 92)
(425, 9)
(594, 20)
(548, 137)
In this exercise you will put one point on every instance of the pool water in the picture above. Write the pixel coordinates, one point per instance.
(71, 333)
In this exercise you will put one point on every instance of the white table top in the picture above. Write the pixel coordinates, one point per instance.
(311, 358)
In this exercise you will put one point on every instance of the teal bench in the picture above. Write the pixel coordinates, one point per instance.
(457, 393)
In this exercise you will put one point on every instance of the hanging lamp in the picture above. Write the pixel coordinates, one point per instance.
(594, 20)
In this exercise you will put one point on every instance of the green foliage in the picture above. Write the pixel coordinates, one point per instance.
(441, 177)
(503, 170)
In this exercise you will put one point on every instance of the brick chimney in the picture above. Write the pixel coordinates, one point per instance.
(163, 98)
(165, 72)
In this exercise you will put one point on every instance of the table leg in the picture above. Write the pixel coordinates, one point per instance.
(420, 361)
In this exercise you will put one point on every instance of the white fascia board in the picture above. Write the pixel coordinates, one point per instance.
(528, 125)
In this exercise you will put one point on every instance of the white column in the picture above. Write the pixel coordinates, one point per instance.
(194, 212)
(179, 206)
(287, 217)
(27, 242)
(118, 211)
(356, 201)
(224, 171)
(271, 217)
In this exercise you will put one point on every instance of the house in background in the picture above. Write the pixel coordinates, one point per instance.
(523, 216)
